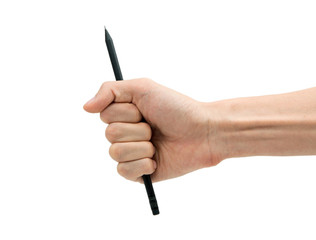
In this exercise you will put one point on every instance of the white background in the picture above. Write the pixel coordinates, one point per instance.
(57, 180)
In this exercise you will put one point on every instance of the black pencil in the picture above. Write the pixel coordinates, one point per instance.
(118, 76)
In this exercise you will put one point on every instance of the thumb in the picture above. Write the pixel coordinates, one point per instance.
(127, 91)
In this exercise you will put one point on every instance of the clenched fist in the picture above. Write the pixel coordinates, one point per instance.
(154, 130)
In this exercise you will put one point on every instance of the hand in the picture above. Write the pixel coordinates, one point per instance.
(173, 141)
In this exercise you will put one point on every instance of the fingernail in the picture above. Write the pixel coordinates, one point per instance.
(90, 100)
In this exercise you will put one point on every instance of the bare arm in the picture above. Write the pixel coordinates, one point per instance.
(182, 135)
(274, 125)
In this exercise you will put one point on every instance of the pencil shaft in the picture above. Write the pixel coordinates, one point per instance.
(113, 56)
(118, 76)
(151, 194)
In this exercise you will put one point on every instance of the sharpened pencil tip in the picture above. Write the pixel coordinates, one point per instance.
(107, 35)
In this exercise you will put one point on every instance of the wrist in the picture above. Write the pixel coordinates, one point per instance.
(234, 128)
(217, 132)
(230, 120)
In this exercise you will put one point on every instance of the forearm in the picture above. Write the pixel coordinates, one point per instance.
(274, 125)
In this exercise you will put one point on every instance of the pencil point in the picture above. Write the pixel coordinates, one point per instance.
(107, 35)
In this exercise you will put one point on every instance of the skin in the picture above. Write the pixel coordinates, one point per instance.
(182, 135)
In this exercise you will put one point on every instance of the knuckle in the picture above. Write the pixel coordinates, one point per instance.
(104, 86)
(147, 131)
(148, 166)
(104, 117)
(115, 152)
(136, 115)
(112, 132)
(116, 92)
(152, 149)
(122, 170)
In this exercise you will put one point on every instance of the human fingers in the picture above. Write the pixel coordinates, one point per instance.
(121, 112)
(118, 91)
(133, 170)
(129, 151)
(128, 132)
